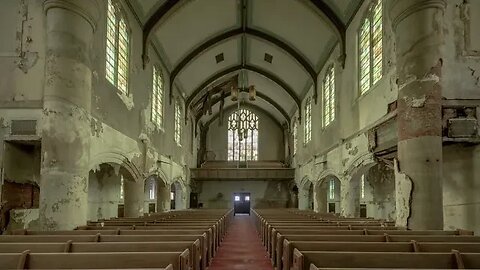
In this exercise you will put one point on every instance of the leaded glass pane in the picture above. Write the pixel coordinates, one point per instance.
(242, 136)
(178, 123)
(308, 121)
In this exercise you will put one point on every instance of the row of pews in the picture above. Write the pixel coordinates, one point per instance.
(301, 240)
(177, 240)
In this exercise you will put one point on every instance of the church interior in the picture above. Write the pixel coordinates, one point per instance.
(217, 134)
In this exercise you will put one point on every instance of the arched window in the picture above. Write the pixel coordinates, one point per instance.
(117, 48)
(295, 136)
(371, 47)
(307, 128)
(331, 189)
(157, 97)
(362, 187)
(329, 97)
(152, 189)
(178, 122)
(122, 188)
(242, 136)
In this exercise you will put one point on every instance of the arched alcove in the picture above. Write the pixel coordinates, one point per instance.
(327, 195)
(177, 196)
(106, 191)
(377, 192)
(305, 195)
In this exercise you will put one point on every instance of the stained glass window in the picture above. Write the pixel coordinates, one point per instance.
(307, 128)
(122, 183)
(157, 97)
(331, 189)
(362, 187)
(117, 48)
(295, 137)
(178, 122)
(371, 47)
(242, 136)
(329, 97)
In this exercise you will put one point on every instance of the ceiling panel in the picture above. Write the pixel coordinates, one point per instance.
(272, 90)
(307, 31)
(283, 65)
(344, 8)
(204, 66)
(194, 23)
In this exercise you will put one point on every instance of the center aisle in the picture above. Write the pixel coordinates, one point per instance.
(241, 248)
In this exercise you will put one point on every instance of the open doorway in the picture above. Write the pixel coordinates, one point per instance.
(241, 203)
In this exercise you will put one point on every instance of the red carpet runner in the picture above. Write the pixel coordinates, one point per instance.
(241, 249)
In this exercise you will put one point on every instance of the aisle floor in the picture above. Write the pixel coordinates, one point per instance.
(241, 248)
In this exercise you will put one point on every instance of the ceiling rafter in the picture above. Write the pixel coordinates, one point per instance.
(252, 68)
(324, 10)
(232, 107)
(259, 94)
(250, 32)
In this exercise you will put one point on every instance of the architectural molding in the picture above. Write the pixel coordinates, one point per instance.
(87, 9)
(401, 9)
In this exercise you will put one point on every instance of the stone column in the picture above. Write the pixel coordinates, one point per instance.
(320, 195)
(303, 198)
(163, 198)
(66, 113)
(350, 198)
(418, 26)
(134, 198)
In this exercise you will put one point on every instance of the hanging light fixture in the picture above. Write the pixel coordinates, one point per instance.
(252, 93)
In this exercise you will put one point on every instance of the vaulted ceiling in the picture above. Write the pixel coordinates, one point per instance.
(193, 36)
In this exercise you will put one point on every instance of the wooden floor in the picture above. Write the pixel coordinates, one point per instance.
(241, 248)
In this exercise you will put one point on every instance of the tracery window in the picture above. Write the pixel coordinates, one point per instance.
(152, 190)
(329, 97)
(178, 123)
(307, 128)
(331, 189)
(295, 137)
(242, 136)
(117, 48)
(362, 187)
(157, 97)
(371, 47)
(122, 188)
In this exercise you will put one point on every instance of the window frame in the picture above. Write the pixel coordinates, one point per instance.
(307, 121)
(329, 104)
(369, 14)
(120, 15)
(154, 96)
(295, 136)
(177, 129)
(253, 136)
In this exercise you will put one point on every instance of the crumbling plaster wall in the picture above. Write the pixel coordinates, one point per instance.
(338, 146)
(263, 194)
(22, 53)
(461, 185)
(270, 136)
(121, 131)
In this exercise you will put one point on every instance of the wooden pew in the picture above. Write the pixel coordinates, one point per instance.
(119, 260)
(70, 247)
(109, 238)
(367, 238)
(413, 246)
(315, 260)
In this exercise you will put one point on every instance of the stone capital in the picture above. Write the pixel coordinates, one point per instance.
(401, 9)
(87, 9)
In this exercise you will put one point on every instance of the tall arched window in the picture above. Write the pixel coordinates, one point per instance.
(295, 137)
(117, 48)
(178, 123)
(329, 97)
(157, 97)
(242, 136)
(371, 47)
(307, 128)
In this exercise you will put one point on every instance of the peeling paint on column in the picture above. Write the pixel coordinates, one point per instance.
(403, 195)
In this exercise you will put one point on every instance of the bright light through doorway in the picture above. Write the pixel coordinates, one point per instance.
(237, 198)
(247, 198)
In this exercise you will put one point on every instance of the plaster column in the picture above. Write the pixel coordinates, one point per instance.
(320, 195)
(66, 113)
(350, 198)
(418, 26)
(163, 198)
(134, 198)
(303, 199)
